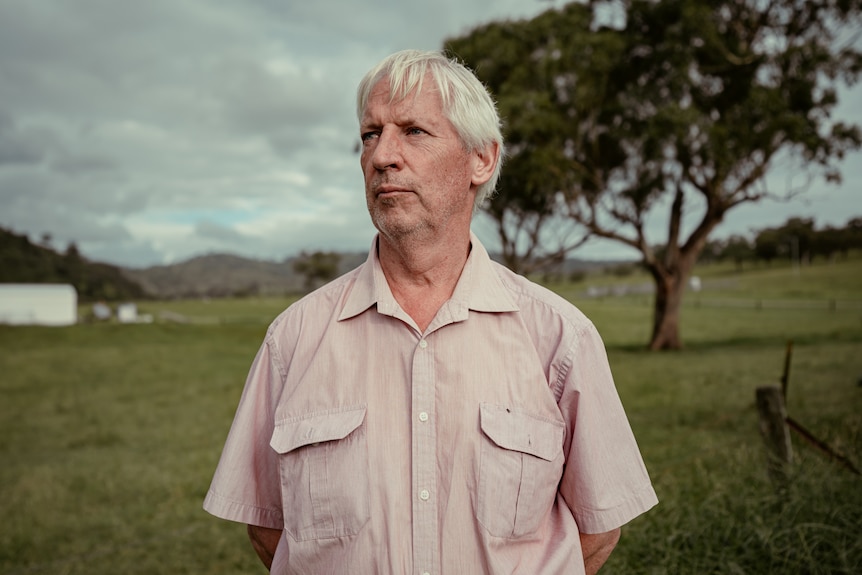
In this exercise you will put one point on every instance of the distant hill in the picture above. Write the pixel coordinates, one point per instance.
(222, 275)
(213, 275)
(227, 275)
(24, 262)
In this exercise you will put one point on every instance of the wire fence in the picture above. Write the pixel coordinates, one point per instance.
(830, 304)
(765, 303)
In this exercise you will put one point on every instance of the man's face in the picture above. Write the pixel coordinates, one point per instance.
(418, 176)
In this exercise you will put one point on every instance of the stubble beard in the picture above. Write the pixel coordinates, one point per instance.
(407, 219)
(394, 221)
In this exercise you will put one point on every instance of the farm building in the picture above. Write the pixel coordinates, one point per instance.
(38, 304)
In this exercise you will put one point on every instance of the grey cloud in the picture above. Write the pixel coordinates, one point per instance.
(81, 164)
(38, 145)
(65, 221)
(386, 25)
(285, 107)
(90, 230)
(211, 230)
(21, 146)
(299, 143)
(347, 233)
(42, 201)
(125, 253)
(19, 151)
(110, 59)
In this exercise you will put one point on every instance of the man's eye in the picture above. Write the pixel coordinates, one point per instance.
(368, 135)
(415, 131)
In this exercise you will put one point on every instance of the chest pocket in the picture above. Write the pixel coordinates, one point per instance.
(521, 462)
(323, 467)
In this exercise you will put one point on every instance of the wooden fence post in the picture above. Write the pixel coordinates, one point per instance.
(773, 426)
(785, 377)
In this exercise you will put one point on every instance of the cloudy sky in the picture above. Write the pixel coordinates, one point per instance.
(150, 132)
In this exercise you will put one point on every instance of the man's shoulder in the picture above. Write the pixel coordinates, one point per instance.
(537, 301)
(323, 302)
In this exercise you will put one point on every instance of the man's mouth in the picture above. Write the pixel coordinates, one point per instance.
(387, 190)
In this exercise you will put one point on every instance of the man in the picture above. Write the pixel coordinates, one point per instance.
(430, 412)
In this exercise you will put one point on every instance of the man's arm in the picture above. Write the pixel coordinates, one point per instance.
(264, 541)
(597, 548)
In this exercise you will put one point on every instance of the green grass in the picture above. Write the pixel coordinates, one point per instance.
(109, 433)
(693, 413)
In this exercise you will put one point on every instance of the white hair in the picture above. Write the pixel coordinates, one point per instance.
(466, 102)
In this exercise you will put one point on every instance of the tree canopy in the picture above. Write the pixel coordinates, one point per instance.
(317, 267)
(674, 112)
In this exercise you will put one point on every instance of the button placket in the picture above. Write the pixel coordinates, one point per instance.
(425, 532)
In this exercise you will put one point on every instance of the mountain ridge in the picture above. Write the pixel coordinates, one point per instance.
(215, 275)
(224, 274)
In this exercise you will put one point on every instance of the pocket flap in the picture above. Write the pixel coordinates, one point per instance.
(296, 432)
(520, 431)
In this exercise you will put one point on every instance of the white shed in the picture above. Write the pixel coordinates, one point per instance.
(127, 313)
(38, 304)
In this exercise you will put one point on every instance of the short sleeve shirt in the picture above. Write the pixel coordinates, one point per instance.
(485, 444)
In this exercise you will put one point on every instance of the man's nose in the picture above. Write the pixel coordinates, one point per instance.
(387, 150)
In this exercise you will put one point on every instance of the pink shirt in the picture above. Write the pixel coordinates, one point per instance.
(483, 445)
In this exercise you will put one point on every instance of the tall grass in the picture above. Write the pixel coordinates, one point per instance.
(694, 415)
(109, 435)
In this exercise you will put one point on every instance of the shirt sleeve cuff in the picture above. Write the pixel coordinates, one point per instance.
(603, 520)
(225, 508)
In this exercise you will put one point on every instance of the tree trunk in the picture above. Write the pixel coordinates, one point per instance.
(670, 288)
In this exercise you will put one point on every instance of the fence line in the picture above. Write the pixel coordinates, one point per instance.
(831, 305)
(765, 303)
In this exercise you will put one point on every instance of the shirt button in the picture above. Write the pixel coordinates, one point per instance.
(423, 344)
(423, 416)
(424, 495)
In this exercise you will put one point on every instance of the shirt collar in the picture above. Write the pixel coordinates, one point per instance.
(479, 288)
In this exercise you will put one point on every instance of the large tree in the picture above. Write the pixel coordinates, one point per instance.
(673, 114)
(530, 208)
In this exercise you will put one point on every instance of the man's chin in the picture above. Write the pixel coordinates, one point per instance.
(396, 228)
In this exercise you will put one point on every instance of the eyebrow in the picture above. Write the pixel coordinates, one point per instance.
(402, 122)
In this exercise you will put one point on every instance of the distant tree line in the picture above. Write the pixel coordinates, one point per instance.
(317, 267)
(797, 239)
(22, 261)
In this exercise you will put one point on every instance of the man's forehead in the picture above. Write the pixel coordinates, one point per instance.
(405, 87)
(423, 99)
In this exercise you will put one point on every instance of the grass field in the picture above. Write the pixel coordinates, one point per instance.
(109, 433)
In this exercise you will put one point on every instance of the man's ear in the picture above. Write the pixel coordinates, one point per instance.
(484, 163)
